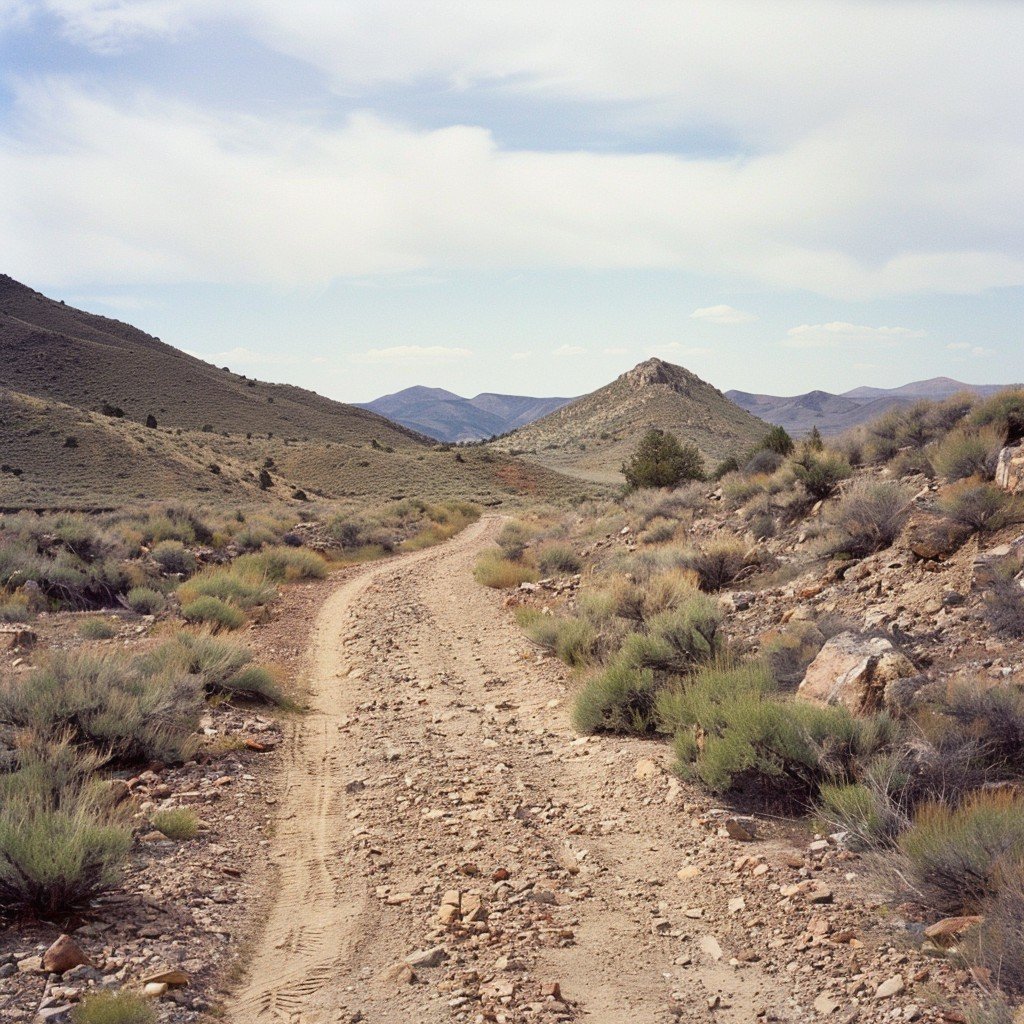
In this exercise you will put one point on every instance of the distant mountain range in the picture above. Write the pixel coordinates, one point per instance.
(449, 417)
(832, 414)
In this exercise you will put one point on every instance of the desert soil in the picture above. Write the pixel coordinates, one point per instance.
(447, 848)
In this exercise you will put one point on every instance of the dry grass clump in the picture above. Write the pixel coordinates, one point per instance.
(981, 506)
(145, 601)
(716, 564)
(513, 540)
(281, 564)
(120, 1007)
(174, 558)
(869, 515)
(492, 570)
(177, 823)
(1004, 600)
(213, 612)
(554, 557)
(967, 451)
(97, 629)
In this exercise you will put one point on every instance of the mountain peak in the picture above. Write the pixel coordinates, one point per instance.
(657, 371)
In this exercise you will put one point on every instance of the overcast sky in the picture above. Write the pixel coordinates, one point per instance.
(527, 196)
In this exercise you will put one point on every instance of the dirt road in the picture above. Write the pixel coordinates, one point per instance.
(438, 768)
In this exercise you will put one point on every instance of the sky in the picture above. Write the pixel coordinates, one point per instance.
(513, 195)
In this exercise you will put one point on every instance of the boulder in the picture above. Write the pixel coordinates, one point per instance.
(64, 954)
(935, 538)
(854, 670)
(1010, 469)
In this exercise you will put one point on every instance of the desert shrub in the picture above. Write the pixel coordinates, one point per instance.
(870, 514)
(996, 943)
(766, 461)
(558, 558)
(726, 466)
(1004, 412)
(716, 564)
(213, 612)
(820, 472)
(967, 452)
(696, 699)
(1004, 600)
(492, 570)
(146, 601)
(954, 853)
(572, 640)
(107, 701)
(161, 527)
(174, 558)
(661, 461)
(282, 563)
(911, 462)
(223, 666)
(57, 855)
(659, 531)
(738, 489)
(513, 540)
(97, 629)
(677, 639)
(868, 815)
(106, 1007)
(253, 536)
(345, 532)
(619, 698)
(230, 584)
(14, 608)
(178, 823)
(981, 506)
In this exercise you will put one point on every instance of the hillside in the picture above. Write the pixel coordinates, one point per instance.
(78, 390)
(592, 436)
(446, 416)
(834, 414)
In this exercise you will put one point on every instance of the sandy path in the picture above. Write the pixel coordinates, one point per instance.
(438, 759)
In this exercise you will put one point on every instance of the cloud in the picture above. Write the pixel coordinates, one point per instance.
(838, 334)
(966, 348)
(413, 354)
(242, 356)
(569, 350)
(722, 315)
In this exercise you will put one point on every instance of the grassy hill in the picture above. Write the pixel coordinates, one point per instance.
(78, 390)
(591, 437)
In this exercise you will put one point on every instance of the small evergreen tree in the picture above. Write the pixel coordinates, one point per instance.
(777, 440)
(265, 480)
(151, 421)
(661, 461)
(814, 440)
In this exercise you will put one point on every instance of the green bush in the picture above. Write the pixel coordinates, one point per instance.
(212, 611)
(954, 854)
(870, 514)
(107, 1007)
(619, 698)
(661, 461)
(492, 570)
(678, 639)
(821, 472)
(967, 452)
(513, 541)
(177, 823)
(282, 563)
(61, 843)
(716, 564)
(97, 629)
(777, 440)
(868, 816)
(146, 601)
(1003, 411)
(174, 558)
(14, 608)
(558, 558)
(228, 583)
(981, 506)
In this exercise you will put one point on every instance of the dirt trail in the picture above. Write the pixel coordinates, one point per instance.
(438, 759)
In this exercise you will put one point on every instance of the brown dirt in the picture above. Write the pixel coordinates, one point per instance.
(438, 757)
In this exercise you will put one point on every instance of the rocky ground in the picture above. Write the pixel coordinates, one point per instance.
(187, 910)
(433, 842)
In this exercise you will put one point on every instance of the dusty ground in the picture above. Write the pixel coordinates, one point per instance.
(448, 849)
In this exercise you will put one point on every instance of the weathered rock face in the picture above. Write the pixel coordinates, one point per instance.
(854, 670)
(1010, 469)
(934, 537)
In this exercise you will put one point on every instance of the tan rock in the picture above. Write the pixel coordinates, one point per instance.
(893, 987)
(853, 670)
(645, 769)
(946, 931)
(1010, 469)
(154, 990)
(933, 537)
(64, 954)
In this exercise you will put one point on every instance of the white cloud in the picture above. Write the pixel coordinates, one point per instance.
(722, 315)
(966, 348)
(569, 350)
(838, 334)
(413, 354)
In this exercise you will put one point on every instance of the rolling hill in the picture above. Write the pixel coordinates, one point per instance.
(78, 391)
(833, 414)
(592, 436)
(446, 416)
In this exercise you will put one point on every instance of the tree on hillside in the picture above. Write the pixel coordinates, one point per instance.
(661, 461)
(778, 440)
(814, 440)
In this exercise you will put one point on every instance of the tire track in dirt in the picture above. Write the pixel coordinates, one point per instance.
(437, 758)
